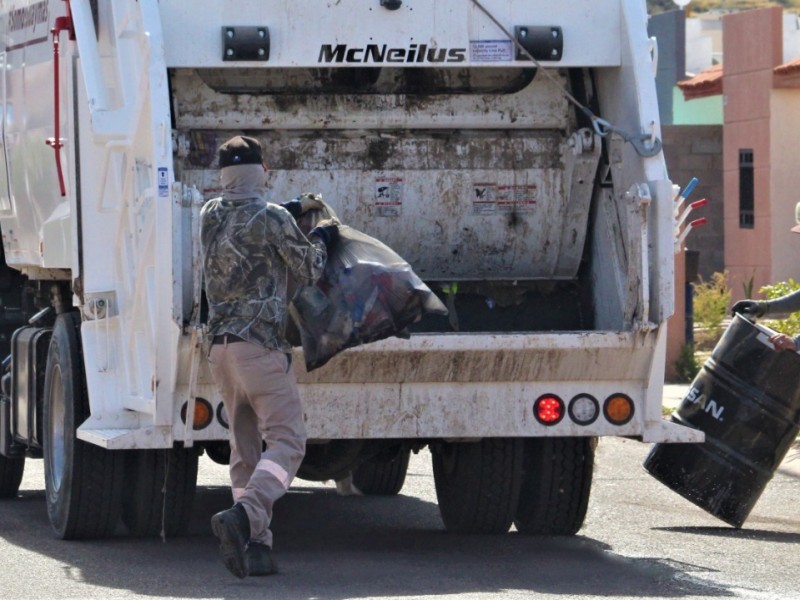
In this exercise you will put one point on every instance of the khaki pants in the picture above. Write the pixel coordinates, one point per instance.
(259, 391)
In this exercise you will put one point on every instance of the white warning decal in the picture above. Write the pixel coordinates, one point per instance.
(484, 198)
(491, 51)
(388, 196)
(490, 198)
(163, 182)
(516, 198)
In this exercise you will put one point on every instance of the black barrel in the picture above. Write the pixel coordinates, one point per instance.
(746, 399)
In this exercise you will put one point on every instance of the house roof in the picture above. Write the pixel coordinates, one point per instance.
(709, 82)
(790, 68)
(787, 75)
(705, 83)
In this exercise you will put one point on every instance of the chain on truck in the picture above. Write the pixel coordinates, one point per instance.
(508, 150)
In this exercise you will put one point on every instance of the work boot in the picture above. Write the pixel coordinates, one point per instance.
(259, 560)
(232, 527)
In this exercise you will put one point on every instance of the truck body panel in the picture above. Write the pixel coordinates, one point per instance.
(299, 35)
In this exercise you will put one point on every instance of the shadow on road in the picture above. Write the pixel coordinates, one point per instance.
(331, 547)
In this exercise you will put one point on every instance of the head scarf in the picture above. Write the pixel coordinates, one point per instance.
(242, 182)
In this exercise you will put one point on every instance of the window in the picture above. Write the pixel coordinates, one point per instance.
(746, 189)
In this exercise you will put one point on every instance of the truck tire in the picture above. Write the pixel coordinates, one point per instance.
(556, 481)
(10, 475)
(331, 460)
(478, 483)
(160, 491)
(384, 474)
(219, 452)
(83, 482)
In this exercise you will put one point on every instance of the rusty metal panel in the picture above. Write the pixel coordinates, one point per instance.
(541, 105)
(490, 205)
(483, 224)
(488, 357)
(464, 187)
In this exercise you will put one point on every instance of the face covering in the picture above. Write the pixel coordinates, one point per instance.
(242, 182)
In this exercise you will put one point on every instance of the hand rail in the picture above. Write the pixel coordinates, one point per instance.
(61, 24)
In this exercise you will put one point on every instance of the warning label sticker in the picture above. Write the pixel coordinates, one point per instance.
(163, 182)
(491, 51)
(484, 198)
(490, 198)
(388, 196)
(516, 198)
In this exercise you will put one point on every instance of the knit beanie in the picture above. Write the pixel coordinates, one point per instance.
(240, 150)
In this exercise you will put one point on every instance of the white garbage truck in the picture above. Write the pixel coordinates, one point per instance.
(508, 150)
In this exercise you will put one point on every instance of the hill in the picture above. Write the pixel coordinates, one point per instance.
(700, 6)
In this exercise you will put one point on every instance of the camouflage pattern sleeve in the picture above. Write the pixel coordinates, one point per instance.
(249, 247)
(305, 257)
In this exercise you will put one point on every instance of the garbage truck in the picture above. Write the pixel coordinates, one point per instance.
(510, 151)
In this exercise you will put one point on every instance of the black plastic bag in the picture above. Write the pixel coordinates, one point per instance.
(367, 293)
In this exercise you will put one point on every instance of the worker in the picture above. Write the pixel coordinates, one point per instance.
(249, 247)
(788, 303)
(760, 308)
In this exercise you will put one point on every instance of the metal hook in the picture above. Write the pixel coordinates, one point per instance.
(645, 144)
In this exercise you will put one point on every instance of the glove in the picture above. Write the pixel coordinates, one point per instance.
(301, 205)
(750, 308)
(326, 230)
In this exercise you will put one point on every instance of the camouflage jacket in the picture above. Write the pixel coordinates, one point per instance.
(250, 248)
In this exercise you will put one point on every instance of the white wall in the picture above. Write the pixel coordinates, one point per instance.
(791, 36)
(703, 42)
(784, 183)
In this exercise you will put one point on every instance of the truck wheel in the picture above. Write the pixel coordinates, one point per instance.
(219, 452)
(160, 489)
(331, 460)
(10, 475)
(83, 482)
(477, 483)
(384, 474)
(557, 478)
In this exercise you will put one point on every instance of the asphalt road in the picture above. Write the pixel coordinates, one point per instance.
(640, 540)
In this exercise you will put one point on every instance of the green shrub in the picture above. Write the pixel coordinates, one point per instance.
(710, 305)
(686, 365)
(791, 324)
(747, 286)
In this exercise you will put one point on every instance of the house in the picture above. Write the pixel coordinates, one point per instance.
(761, 95)
(734, 123)
(759, 88)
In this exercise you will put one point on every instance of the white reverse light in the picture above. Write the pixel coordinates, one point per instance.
(583, 409)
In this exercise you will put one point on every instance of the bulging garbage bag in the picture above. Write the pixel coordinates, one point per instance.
(367, 293)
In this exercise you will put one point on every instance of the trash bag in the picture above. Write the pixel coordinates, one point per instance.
(367, 293)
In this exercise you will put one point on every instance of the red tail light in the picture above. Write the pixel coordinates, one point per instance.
(548, 409)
